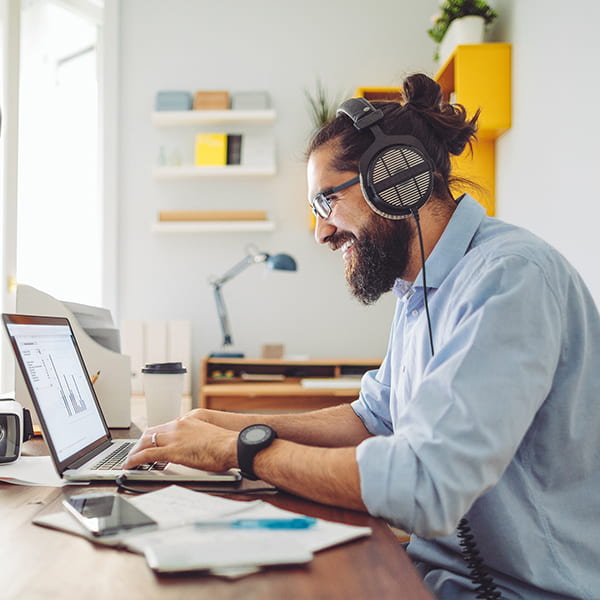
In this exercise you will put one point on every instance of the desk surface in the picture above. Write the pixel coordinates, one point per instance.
(36, 562)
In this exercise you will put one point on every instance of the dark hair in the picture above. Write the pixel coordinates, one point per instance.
(441, 127)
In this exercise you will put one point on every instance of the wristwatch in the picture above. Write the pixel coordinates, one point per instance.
(251, 441)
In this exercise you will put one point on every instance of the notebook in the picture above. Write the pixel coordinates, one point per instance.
(70, 415)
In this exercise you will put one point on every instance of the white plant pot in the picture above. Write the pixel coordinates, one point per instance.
(467, 30)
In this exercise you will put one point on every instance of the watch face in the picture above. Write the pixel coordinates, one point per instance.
(256, 434)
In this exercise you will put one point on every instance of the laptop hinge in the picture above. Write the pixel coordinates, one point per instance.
(91, 454)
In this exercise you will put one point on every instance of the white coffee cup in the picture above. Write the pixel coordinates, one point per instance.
(163, 388)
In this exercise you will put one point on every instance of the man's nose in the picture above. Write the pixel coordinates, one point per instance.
(323, 230)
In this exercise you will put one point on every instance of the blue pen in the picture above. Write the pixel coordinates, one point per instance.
(293, 523)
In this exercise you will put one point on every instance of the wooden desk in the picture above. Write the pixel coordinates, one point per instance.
(255, 385)
(39, 563)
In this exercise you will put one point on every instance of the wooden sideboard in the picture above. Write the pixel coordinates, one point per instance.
(266, 385)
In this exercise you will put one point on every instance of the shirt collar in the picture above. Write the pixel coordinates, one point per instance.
(450, 248)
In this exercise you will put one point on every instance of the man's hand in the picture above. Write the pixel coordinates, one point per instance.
(187, 441)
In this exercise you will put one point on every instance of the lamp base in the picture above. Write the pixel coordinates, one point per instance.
(226, 355)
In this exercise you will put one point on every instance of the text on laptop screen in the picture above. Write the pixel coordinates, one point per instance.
(60, 384)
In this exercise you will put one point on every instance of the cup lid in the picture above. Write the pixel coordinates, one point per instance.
(170, 367)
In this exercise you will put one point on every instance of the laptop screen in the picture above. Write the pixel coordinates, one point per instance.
(59, 384)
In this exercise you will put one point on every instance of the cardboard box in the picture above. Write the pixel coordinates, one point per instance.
(211, 100)
(212, 215)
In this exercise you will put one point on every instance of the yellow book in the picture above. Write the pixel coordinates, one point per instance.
(211, 149)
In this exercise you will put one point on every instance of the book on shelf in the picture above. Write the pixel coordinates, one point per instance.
(211, 100)
(212, 215)
(234, 149)
(211, 149)
(331, 382)
(262, 376)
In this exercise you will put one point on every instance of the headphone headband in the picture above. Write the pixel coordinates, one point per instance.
(362, 113)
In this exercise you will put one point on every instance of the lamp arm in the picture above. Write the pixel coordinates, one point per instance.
(251, 259)
(222, 312)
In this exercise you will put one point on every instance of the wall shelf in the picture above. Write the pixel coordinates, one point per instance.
(212, 226)
(478, 77)
(257, 159)
(190, 117)
(187, 171)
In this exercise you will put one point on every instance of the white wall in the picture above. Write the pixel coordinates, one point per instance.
(545, 164)
(281, 47)
(548, 162)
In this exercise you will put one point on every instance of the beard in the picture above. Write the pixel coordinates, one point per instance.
(380, 255)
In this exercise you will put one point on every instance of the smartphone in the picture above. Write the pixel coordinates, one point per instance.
(105, 514)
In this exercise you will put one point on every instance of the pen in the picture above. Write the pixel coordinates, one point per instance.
(95, 377)
(294, 523)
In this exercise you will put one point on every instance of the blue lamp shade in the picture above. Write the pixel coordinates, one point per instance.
(281, 262)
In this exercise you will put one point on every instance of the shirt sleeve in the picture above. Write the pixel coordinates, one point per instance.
(497, 347)
(373, 403)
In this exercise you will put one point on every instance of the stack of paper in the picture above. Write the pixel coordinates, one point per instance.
(31, 470)
(180, 545)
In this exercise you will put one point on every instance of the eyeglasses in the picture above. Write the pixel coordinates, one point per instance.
(321, 203)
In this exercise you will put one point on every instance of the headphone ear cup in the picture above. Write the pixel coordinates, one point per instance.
(397, 176)
(396, 173)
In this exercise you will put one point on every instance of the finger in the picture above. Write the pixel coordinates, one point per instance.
(146, 439)
(147, 455)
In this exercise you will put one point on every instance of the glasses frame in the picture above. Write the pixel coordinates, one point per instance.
(321, 204)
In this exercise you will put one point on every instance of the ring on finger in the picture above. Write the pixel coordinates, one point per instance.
(153, 440)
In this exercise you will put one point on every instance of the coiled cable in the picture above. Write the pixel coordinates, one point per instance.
(479, 575)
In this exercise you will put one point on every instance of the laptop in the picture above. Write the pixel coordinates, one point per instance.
(70, 415)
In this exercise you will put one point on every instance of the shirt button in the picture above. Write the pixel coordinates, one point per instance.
(415, 313)
(404, 368)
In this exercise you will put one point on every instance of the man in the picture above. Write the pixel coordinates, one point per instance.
(485, 405)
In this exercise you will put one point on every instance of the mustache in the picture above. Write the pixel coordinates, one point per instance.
(337, 240)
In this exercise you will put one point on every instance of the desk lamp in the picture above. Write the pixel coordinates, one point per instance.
(277, 262)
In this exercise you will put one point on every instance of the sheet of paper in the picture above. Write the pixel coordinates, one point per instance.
(176, 505)
(31, 470)
(324, 534)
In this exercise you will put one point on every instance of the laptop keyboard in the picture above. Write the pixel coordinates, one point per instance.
(114, 461)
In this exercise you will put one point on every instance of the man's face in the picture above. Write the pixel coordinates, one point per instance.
(376, 251)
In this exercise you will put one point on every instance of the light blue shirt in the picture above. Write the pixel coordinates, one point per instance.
(502, 425)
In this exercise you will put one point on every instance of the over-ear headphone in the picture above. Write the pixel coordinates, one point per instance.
(396, 173)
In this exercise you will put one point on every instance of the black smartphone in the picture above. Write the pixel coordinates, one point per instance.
(106, 514)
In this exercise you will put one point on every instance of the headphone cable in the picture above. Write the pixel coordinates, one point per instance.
(415, 213)
(478, 573)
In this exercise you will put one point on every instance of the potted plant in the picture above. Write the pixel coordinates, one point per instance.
(460, 22)
(321, 107)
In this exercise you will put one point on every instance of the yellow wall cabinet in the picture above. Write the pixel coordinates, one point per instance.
(478, 76)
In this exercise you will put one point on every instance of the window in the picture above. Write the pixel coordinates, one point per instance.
(59, 220)
(57, 171)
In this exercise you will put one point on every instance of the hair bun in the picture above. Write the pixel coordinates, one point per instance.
(422, 91)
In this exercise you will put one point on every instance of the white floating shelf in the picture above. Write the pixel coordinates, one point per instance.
(224, 171)
(190, 117)
(212, 226)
